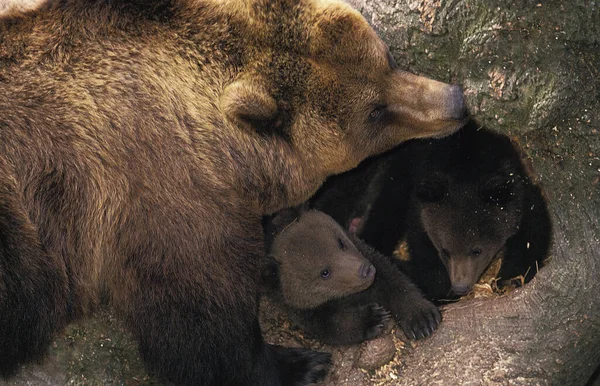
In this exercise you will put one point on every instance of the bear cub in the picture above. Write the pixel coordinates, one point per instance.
(470, 202)
(336, 287)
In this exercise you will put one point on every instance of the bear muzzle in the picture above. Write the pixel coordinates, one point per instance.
(431, 108)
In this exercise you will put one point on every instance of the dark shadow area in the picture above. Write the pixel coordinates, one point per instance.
(447, 210)
(595, 379)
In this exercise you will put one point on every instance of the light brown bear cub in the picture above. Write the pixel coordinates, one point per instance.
(336, 287)
(141, 142)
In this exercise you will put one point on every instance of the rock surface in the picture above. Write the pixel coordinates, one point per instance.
(376, 353)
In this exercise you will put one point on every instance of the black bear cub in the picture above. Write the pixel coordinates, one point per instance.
(470, 200)
(336, 287)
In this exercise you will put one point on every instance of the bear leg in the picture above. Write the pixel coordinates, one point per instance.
(192, 343)
(417, 316)
(297, 366)
(345, 321)
(33, 288)
(192, 303)
(425, 268)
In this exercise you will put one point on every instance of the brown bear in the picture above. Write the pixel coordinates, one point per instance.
(141, 142)
(470, 202)
(336, 287)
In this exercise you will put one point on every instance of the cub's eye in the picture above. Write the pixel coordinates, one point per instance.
(341, 244)
(475, 251)
(377, 113)
(325, 273)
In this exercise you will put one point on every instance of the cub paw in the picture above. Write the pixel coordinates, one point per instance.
(377, 318)
(421, 320)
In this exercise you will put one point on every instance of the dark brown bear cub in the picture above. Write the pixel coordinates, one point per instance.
(142, 142)
(336, 287)
(466, 200)
(471, 200)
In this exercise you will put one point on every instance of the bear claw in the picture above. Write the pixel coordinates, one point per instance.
(378, 318)
(422, 323)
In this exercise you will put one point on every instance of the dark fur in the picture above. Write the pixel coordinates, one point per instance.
(371, 199)
(142, 141)
(469, 194)
(348, 197)
(336, 312)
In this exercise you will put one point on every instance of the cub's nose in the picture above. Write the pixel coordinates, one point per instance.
(461, 289)
(456, 107)
(366, 271)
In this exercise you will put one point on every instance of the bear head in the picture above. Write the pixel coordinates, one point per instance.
(316, 262)
(315, 76)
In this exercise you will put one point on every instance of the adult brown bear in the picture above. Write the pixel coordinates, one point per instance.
(140, 144)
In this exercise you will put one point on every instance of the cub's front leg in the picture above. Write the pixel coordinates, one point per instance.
(344, 321)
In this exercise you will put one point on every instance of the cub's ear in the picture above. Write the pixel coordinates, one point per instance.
(249, 105)
(276, 223)
(285, 217)
(502, 188)
(431, 189)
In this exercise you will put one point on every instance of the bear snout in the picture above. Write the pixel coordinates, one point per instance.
(464, 272)
(461, 289)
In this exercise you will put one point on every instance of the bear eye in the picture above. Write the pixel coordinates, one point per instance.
(377, 113)
(325, 273)
(341, 244)
(476, 251)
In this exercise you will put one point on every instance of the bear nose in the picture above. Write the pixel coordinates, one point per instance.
(455, 103)
(366, 271)
(461, 289)
(457, 109)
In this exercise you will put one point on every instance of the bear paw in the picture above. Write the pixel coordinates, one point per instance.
(377, 318)
(421, 321)
(301, 366)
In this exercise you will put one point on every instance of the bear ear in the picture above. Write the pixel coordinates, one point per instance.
(248, 105)
(500, 189)
(276, 223)
(431, 189)
(285, 217)
(338, 29)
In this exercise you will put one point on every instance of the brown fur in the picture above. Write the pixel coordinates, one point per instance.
(349, 303)
(310, 245)
(140, 142)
